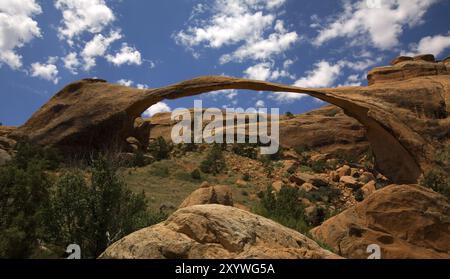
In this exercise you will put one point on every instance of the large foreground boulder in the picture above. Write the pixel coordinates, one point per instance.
(406, 221)
(216, 232)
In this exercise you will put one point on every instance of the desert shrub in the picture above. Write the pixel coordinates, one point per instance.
(443, 157)
(214, 162)
(301, 149)
(196, 175)
(323, 194)
(24, 196)
(95, 214)
(345, 158)
(283, 207)
(189, 147)
(267, 164)
(289, 114)
(159, 149)
(438, 181)
(318, 216)
(246, 177)
(27, 152)
(244, 193)
(139, 159)
(318, 166)
(160, 170)
(359, 195)
(245, 150)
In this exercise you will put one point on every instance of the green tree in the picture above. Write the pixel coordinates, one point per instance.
(159, 149)
(195, 174)
(438, 181)
(23, 198)
(289, 114)
(214, 162)
(95, 214)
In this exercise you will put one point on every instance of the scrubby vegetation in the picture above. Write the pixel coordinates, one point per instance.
(42, 209)
(284, 208)
(159, 149)
(214, 162)
(246, 150)
(438, 181)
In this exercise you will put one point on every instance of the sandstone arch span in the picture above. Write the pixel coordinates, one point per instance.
(91, 113)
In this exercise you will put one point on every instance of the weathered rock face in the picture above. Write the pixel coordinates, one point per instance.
(6, 144)
(219, 194)
(326, 130)
(404, 68)
(406, 221)
(4, 157)
(403, 118)
(216, 232)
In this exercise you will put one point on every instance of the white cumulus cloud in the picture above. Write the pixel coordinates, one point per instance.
(380, 25)
(433, 44)
(250, 25)
(71, 62)
(127, 55)
(98, 47)
(125, 82)
(156, 108)
(17, 27)
(83, 15)
(47, 71)
(264, 71)
(324, 74)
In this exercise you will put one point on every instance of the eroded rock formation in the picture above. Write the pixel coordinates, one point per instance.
(325, 130)
(406, 221)
(404, 117)
(216, 232)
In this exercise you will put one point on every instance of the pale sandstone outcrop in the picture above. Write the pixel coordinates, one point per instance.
(218, 194)
(216, 232)
(406, 221)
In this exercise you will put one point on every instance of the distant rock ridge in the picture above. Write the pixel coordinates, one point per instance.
(406, 118)
(405, 67)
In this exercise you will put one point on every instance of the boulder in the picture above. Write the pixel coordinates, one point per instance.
(401, 59)
(350, 182)
(218, 194)
(406, 221)
(334, 176)
(366, 177)
(317, 180)
(241, 183)
(369, 188)
(344, 171)
(277, 185)
(7, 143)
(4, 157)
(216, 232)
(425, 57)
(308, 187)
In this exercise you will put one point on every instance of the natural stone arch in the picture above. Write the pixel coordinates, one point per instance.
(87, 112)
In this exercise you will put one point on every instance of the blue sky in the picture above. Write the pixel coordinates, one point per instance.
(45, 44)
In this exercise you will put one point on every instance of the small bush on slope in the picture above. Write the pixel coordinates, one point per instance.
(214, 162)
